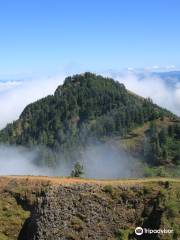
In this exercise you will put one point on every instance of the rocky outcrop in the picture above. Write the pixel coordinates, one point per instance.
(84, 211)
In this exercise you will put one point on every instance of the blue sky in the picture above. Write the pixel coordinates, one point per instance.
(46, 36)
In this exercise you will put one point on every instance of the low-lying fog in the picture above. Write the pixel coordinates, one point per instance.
(99, 160)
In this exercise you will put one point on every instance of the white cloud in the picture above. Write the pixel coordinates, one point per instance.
(162, 93)
(130, 69)
(15, 97)
(155, 67)
(5, 85)
(171, 67)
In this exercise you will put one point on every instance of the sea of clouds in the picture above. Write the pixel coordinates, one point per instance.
(17, 94)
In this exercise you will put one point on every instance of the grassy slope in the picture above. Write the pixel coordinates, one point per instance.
(12, 217)
(133, 142)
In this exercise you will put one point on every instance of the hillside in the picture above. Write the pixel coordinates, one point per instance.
(101, 104)
(63, 208)
(89, 106)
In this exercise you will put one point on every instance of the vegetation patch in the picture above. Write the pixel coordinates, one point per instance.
(12, 217)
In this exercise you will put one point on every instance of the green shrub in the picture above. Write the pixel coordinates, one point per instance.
(108, 189)
(122, 234)
(172, 210)
(77, 171)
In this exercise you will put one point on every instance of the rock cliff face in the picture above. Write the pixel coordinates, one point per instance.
(83, 212)
(80, 211)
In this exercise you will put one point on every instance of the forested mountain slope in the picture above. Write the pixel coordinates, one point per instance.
(89, 106)
(82, 103)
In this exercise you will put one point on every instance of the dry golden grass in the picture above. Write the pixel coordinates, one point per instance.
(43, 180)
